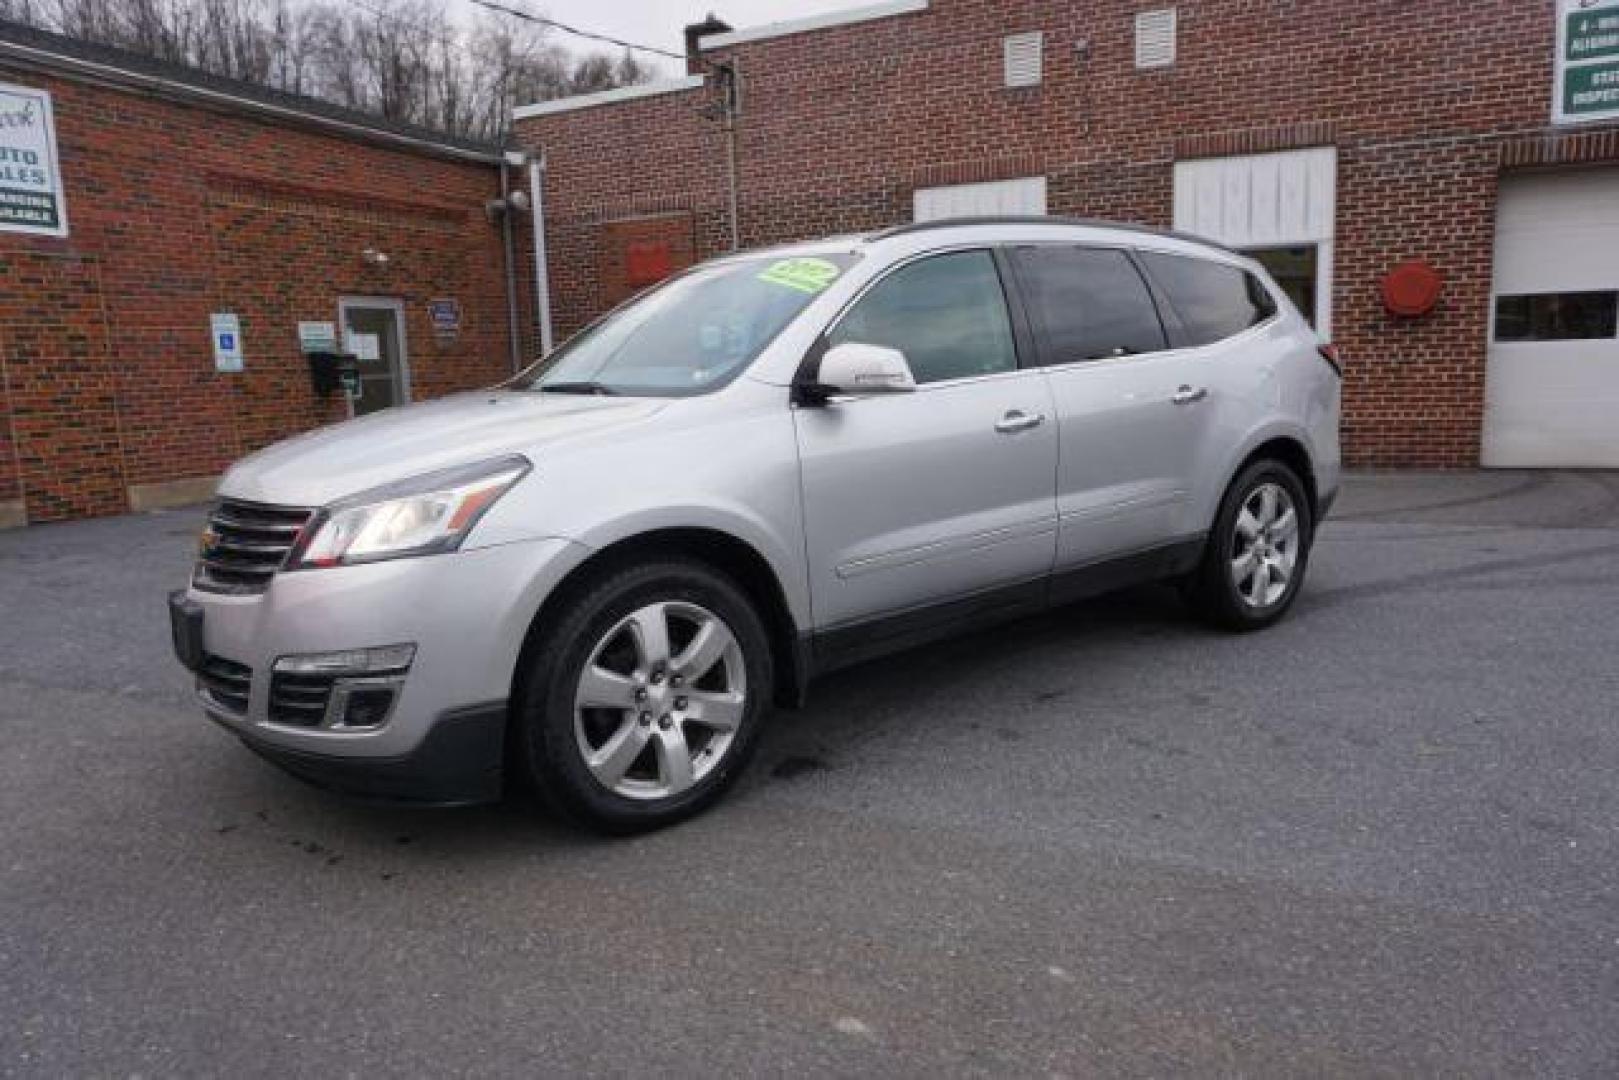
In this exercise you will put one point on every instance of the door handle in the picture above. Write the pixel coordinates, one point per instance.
(1186, 395)
(1018, 420)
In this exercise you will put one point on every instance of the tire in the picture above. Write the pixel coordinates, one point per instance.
(1226, 589)
(603, 711)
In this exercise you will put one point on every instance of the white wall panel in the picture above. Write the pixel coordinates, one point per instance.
(1022, 196)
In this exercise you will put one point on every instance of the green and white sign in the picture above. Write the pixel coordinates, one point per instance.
(30, 179)
(1587, 62)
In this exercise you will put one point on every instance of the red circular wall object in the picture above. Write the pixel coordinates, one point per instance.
(1412, 288)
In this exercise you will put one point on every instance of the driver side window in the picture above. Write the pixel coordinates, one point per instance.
(946, 313)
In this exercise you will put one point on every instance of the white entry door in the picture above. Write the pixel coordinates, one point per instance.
(1552, 385)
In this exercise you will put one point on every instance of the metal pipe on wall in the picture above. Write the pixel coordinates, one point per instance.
(513, 327)
(542, 280)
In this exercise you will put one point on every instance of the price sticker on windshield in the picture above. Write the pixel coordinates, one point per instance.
(805, 275)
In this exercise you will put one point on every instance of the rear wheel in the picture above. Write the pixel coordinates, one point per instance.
(1254, 563)
(641, 703)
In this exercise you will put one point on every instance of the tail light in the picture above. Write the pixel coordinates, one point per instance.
(1333, 356)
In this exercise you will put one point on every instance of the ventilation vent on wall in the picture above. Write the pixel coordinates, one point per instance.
(1155, 38)
(1022, 58)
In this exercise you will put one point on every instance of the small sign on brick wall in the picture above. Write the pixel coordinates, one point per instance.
(31, 199)
(227, 333)
(1587, 86)
(445, 313)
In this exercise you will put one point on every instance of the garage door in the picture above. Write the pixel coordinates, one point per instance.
(1552, 395)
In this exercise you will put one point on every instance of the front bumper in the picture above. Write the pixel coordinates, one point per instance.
(459, 763)
(467, 613)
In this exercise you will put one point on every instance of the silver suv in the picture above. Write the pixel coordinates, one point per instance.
(596, 578)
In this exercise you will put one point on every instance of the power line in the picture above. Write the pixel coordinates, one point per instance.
(515, 13)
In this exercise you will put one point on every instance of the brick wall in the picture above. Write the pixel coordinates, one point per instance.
(178, 211)
(841, 125)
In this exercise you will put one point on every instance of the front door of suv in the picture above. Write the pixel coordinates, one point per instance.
(1131, 409)
(944, 493)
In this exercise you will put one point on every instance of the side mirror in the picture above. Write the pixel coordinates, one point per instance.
(853, 368)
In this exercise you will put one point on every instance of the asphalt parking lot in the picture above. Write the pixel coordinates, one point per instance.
(1378, 839)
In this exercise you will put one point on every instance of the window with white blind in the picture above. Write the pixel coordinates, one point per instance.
(1155, 38)
(1021, 55)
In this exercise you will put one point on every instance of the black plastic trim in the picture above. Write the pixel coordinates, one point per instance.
(866, 640)
(459, 763)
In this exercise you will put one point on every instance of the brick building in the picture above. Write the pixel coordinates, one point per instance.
(178, 205)
(1337, 139)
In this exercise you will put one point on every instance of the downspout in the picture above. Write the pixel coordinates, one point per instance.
(513, 331)
(732, 94)
(542, 281)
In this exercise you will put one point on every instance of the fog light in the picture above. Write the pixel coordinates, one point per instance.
(349, 661)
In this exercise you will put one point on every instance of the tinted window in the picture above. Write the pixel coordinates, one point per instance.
(1557, 316)
(947, 315)
(1214, 301)
(1089, 303)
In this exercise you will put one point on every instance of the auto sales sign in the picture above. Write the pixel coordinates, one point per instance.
(1587, 61)
(30, 179)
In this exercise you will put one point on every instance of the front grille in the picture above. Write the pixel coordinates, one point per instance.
(300, 700)
(245, 544)
(225, 683)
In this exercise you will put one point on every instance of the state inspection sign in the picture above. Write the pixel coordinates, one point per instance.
(1587, 61)
(31, 199)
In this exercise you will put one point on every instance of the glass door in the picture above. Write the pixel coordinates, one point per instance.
(374, 333)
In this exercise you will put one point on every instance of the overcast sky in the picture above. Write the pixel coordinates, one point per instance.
(659, 22)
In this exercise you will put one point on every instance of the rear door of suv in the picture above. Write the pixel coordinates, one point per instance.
(1133, 410)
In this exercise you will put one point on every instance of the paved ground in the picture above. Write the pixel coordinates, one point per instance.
(1380, 838)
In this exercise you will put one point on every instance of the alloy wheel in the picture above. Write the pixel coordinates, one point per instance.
(1265, 546)
(660, 700)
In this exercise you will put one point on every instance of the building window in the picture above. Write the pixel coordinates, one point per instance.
(1570, 316)
(1155, 38)
(1021, 57)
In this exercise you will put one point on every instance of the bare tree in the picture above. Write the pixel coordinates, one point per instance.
(403, 60)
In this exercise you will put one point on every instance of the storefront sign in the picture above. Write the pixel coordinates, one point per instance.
(1587, 61)
(227, 332)
(317, 337)
(31, 199)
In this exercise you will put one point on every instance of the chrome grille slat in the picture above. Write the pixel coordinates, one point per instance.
(246, 544)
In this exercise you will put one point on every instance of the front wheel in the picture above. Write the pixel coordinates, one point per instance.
(1254, 563)
(642, 701)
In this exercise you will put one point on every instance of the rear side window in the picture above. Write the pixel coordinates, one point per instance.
(1214, 301)
(1088, 303)
(946, 313)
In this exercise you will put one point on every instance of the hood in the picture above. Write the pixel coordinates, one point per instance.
(328, 463)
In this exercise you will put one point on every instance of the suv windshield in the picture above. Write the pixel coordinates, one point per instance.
(689, 335)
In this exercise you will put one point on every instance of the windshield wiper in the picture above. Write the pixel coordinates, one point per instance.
(582, 387)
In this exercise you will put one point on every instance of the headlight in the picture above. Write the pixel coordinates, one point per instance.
(424, 515)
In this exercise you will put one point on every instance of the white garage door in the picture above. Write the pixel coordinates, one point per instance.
(1552, 393)
(1023, 196)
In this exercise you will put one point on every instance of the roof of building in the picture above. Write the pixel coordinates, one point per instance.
(29, 45)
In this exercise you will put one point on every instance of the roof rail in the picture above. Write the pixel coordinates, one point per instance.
(1043, 219)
